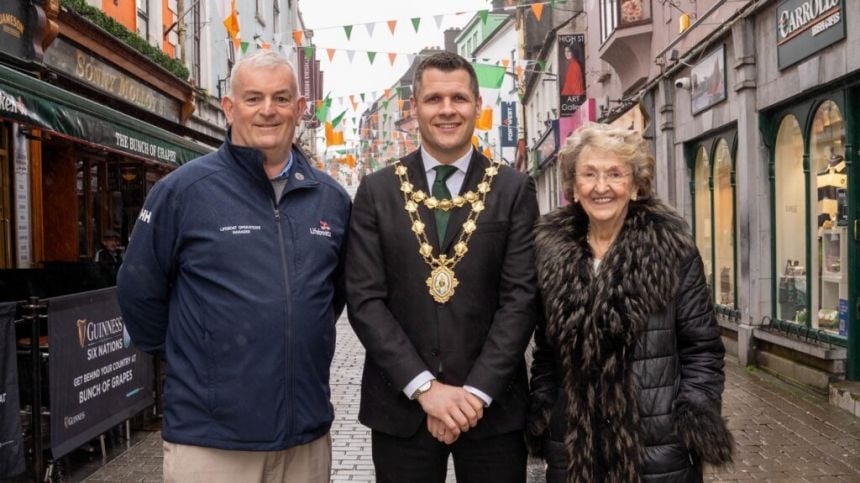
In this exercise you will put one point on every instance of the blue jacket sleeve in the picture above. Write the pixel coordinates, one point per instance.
(146, 276)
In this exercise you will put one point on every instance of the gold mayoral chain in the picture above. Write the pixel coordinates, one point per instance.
(442, 280)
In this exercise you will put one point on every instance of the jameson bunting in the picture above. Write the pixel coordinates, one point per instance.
(11, 443)
(97, 379)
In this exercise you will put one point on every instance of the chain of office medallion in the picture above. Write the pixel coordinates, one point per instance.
(412, 198)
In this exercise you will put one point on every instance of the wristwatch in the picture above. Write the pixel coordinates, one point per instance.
(422, 389)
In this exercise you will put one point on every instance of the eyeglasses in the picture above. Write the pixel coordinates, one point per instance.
(613, 177)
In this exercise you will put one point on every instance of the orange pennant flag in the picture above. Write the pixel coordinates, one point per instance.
(319, 104)
(392, 24)
(352, 101)
(488, 152)
(237, 43)
(537, 9)
(391, 57)
(330, 53)
(520, 72)
(297, 36)
(386, 93)
(231, 23)
(329, 134)
(400, 103)
(485, 122)
(267, 45)
(505, 63)
(475, 141)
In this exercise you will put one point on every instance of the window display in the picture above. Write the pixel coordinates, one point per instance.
(829, 215)
(790, 218)
(703, 211)
(724, 235)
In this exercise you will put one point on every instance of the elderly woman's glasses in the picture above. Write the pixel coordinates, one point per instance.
(612, 177)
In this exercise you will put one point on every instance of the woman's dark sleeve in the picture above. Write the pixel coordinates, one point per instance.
(544, 390)
(697, 408)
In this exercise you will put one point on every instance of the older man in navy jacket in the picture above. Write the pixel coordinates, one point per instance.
(234, 274)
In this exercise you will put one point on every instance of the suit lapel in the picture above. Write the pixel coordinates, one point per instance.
(418, 177)
(474, 174)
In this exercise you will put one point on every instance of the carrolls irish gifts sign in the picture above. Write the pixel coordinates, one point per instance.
(803, 27)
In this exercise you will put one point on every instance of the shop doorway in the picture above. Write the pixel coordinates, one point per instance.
(5, 203)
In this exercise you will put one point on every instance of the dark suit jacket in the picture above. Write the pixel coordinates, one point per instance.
(479, 337)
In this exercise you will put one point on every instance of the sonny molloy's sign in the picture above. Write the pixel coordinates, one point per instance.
(803, 27)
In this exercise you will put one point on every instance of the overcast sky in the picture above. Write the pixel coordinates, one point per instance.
(327, 17)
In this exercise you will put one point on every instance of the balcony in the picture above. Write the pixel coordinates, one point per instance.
(626, 29)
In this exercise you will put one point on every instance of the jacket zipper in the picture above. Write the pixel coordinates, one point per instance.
(289, 357)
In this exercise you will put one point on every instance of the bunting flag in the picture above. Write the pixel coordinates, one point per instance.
(488, 152)
(392, 24)
(330, 53)
(347, 29)
(399, 91)
(483, 14)
(297, 36)
(244, 46)
(352, 101)
(392, 57)
(231, 23)
(438, 20)
(506, 63)
(350, 54)
(386, 93)
(416, 21)
(371, 56)
(537, 9)
(485, 121)
(489, 76)
(370, 26)
(309, 52)
(266, 46)
(337, 119)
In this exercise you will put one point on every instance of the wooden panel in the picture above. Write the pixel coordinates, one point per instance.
(60, 203)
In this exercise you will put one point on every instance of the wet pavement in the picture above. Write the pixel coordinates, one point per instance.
(784, 434)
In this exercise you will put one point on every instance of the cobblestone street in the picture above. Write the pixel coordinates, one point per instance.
(784, 434)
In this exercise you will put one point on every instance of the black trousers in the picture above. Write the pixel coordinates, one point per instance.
(423, 459)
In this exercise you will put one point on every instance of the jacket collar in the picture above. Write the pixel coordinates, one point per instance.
(250, 161)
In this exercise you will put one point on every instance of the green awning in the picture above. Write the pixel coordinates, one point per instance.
(31, 101)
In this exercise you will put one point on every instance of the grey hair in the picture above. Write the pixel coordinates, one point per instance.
(627, 144)
(263, 59)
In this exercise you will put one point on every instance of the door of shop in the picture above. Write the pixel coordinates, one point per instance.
(5, 204)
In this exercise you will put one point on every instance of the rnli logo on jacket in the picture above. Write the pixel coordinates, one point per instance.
(323, 230)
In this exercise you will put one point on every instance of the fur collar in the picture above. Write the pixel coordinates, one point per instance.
(595, 320)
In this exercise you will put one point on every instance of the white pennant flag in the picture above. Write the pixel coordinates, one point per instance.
(349, 55)
(370, 26)
(438, 20)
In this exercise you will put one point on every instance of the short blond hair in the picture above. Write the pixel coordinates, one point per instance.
(627, 144)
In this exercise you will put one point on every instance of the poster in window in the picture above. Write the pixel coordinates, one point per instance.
(571, 73)
(708, 80)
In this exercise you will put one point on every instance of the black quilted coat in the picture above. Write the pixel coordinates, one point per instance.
(628, 366)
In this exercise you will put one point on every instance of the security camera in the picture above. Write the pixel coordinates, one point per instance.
(682, 83)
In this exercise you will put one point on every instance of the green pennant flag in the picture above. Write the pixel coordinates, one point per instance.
(483, 14)
(347, 29)
(489, 76)
(309, 52)
(399, 92)
(322, 112)
(385, 105)
(541, 65)
(551, 3)
(371, 56)
(244, 46)
(415, 22)
(336, 120)
(362, 96)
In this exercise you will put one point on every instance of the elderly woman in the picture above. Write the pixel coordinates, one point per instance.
(628, 367)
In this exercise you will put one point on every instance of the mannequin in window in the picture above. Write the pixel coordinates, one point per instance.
(830, 181)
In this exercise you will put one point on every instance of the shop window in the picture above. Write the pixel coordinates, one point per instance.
(829, 178)
(789, 218)
(701, 176)
(608, 18)
(724, 234)
(714, 223)
(143, 18)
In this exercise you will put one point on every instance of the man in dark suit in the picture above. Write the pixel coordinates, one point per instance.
(441, 290)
